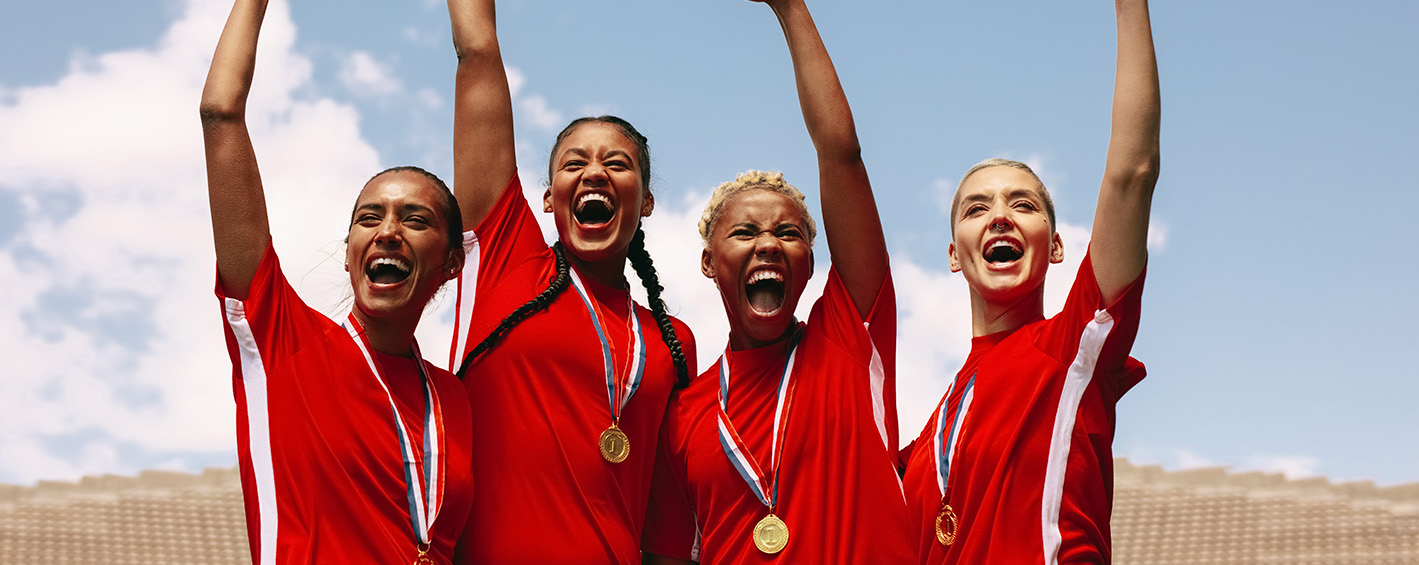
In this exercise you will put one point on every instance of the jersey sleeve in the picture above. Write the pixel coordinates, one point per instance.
(265, 326)
(506, 237)
(1085, 315)
(870, 338)
(670, 528)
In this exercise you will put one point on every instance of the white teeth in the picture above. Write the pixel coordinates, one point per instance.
(588, 197)
(1005, 244)
(765, 276)
(390, 261)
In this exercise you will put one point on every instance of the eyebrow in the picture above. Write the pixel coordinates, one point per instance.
(579, 152)
(405, 208)
(1012, 193)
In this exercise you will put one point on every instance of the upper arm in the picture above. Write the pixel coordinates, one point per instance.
(240, 228)
(483, 148)
(1119, 241)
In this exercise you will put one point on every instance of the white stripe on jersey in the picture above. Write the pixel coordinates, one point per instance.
(467, 289)
(258, 430)
(1081, 371)
(877, 376)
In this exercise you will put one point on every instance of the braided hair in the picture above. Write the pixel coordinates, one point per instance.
(645, 269)
(537, 304)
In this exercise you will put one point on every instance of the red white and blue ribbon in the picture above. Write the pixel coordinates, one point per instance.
(423, 489)
(946, 441)
(618, 395)
(766, 489)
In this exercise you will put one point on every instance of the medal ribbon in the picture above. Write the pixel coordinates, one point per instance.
(946, 442)
(633, 377)
(734, 446)
(423, 507)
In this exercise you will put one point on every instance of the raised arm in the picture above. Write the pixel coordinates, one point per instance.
(240, 228)
(1119, 244)
(483, 151)
(850, 221)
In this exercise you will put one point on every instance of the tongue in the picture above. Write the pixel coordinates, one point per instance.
(765, 297)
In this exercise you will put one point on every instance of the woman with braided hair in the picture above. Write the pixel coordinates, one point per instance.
(567, 376)
(785, 450)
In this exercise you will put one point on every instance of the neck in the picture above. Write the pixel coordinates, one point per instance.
(994, 317)
(739, 340)
(390, 336)
(609, 272)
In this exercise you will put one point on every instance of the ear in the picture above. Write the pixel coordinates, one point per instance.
(647, 204)
(1056, 249)
(454, 264)
(955, 261)
(706, 263)
(547, 200)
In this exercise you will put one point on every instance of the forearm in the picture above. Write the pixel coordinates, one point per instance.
(483, 153)
(1133, 140)
(826, 112)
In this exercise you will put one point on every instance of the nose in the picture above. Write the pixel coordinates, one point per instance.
(766, 244)
(388, 231)
(1001, 222)
(594, 173)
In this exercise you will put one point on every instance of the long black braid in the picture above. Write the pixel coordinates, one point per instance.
(645, 269)
(537, 304)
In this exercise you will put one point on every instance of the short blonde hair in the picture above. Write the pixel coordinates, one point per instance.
(771, 181)
(1009, 163)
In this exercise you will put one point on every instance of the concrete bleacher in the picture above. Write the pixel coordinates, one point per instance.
(1199, 516)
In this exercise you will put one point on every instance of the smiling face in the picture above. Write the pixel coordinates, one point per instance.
(1003, 240)
(398, 252)
(597, 195)
(760, 258)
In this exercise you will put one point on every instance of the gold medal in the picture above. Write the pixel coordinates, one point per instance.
(615, 446)
(771, 534)
(946, 525)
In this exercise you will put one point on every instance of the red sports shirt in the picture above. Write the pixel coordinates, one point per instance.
(838, 490)
(322, 471)
(540, 403)
(1031, 472)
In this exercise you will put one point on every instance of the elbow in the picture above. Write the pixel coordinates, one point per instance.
(1141, 174)
(474, 51)
(215, 111)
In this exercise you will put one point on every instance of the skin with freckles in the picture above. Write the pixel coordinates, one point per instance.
(759, 232)
(1003, 207)
(597, 165)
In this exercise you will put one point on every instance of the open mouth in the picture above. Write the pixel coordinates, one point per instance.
(594, 210)
(1003, 252)
(765, 291)
(387, 270)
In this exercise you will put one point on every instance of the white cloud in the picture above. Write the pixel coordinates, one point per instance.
(109, 327)
(535, 109)
(365, 76)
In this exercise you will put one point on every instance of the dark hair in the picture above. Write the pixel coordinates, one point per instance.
(448, 205)
(627, 130)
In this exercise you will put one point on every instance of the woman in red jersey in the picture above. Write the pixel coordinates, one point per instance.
(1016, 466)
(784, 450)
(568, 378)
(353, 449)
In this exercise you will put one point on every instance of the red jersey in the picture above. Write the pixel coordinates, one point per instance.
(1027, 428)
(540, 402)
(323, 471)
(838, 491)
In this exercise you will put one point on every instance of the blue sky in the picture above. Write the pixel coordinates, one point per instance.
(1280, 296)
